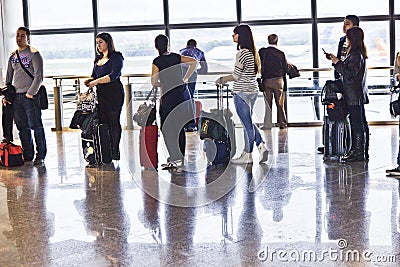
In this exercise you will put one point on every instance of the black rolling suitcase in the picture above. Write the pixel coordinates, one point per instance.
(217, 129)
(102, 143)
(337, 138)
(96, 147)
(336, 128)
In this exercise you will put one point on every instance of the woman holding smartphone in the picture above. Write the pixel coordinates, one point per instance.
(353, 72)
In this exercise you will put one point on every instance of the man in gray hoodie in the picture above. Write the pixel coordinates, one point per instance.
(27, 112)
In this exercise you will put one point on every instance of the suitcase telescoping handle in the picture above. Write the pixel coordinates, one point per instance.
(220, 96)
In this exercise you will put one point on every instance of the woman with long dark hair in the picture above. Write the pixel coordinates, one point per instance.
(245, 92)
(353, 72)
(174, 109)
(110, 91)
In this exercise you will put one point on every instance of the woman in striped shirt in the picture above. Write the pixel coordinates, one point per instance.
(245, 92)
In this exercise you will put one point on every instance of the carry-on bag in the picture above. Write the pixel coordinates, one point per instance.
(102, 143)
(218, 130)
(337, 138)
(11, 155)
(336, 128)
(88, 148)
(148, 141)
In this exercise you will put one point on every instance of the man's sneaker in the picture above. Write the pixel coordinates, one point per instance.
(263, 152)
(395, 171)
(172, 164)
(244, 158)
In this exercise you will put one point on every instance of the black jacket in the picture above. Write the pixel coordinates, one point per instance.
(273, 63)
(354, 73)
(342, 40)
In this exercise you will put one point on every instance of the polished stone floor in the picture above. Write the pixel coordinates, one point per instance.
(295, 210)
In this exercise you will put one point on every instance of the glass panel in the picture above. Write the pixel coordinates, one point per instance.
(189, 11)
(376, 36)
(138, 50)
(341, 8)
(217, 44)
(133, 12)
(45, 14)
(66, 54)
(397, 36)
(287, 9)
(396, 7)
(294, 40)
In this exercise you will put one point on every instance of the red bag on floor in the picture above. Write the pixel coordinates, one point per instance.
(148, 141)
(11, 155)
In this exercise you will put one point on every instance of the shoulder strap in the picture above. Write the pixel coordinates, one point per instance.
(154, 92)
(22, 65)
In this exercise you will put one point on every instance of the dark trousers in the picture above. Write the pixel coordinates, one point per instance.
(28, 117)
(111, 99)
(175, 113)
(7, 121)
(112, 118)
(358, 121)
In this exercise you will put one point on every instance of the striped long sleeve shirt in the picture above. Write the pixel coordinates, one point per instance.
(244, 74)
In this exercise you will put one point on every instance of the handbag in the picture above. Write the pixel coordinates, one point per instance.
(330, 90)
(394, 105)
(146, 113)
(87, 101)
(332, 97)
(260, 84)
(292, 71)
(44, 101)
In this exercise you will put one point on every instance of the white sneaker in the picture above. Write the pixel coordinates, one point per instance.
(172, 164)
(244, 158)
(263, 152)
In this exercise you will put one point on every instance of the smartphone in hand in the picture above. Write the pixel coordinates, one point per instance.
(327, 55)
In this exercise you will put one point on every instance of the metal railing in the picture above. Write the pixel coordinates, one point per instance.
(311, 77)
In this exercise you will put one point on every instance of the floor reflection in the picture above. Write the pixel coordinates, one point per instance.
(63, 214)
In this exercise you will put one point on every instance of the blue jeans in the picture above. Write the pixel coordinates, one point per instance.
(244, 103)
(189, 96)
(28, 116)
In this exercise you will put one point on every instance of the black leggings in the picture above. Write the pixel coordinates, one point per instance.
(112, 118)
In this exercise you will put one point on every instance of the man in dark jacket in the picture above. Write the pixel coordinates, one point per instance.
(273, 71)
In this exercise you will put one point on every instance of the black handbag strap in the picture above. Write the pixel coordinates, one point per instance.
(153, 90)
(22, 65)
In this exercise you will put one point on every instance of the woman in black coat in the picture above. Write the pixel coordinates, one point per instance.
(353, 73)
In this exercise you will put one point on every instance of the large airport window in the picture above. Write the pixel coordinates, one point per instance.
(66, 54)
(269, 9)
(328, 36)
(376, 35)
(217, 44)
(45, 14)
(190, 11)
(294, 40)
(130, 12)
(341, 8)
(137, 48)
